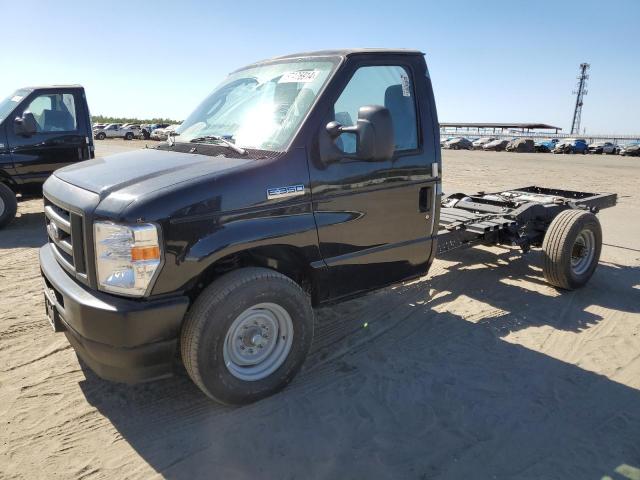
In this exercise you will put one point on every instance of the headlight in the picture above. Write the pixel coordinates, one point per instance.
(127, 257)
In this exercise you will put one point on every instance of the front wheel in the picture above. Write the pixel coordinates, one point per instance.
(101, 136)
(571, 249)
(247, 335)
(128, 136)
(8, 205)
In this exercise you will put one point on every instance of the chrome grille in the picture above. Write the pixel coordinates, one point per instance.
(64, 229)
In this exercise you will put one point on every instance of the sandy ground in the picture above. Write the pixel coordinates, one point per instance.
(480, 370)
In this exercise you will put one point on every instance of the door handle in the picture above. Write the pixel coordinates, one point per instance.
(424, 199)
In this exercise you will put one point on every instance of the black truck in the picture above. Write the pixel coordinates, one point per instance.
(41, 130)
(301, 180)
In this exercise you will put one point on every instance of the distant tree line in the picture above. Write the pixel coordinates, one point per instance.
(104, 119)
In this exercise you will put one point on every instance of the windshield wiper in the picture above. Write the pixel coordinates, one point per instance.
(222, 140)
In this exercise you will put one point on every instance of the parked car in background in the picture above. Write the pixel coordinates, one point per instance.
(546, 145)
(148, 129)
(497, 145)
(163, 133)
(631, 149)
(458, 143)
(133, 126)
(603, 147)
(520, 145)
(480, 142)
(114, 130)
(444, 140)
(99, 126)
(572, 145)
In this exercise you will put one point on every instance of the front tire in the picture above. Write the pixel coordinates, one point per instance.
(101, 136)
(128, 136)
(8, 205)
(247, 335)
(571, 249)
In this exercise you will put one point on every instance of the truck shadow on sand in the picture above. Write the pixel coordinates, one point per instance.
(403, 384)
(26, 230)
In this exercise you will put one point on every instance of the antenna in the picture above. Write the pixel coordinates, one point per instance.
(580, 93)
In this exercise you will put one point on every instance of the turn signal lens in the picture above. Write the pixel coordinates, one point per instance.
(145, 253)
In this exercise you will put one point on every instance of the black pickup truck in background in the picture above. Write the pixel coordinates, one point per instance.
(300, 180)
(41, 129)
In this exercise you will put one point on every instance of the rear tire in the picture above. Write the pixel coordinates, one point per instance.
(218, 340)
(8, 205)
(128, 136)
(571, 249)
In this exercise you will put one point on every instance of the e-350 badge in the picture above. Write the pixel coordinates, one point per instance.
(281, 192)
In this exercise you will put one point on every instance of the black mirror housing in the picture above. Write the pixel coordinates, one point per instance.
(25, 125)
(374, 133)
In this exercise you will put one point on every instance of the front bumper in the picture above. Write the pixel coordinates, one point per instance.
(119, 339)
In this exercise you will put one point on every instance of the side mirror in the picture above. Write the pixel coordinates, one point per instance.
(25, 125)
(374, 133)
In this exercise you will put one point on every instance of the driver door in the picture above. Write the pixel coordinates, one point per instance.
(57, 142)
(371, 216)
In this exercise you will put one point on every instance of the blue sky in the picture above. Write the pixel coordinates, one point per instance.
(489, 60)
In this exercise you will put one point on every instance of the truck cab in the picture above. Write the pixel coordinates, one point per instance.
(301, 180)
(41, 129)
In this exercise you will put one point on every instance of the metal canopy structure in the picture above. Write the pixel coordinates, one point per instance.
(524, 127)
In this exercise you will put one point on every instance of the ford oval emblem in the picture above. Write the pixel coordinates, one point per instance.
(54, 231)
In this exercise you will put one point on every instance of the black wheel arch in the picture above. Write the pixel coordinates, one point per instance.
(285, 259)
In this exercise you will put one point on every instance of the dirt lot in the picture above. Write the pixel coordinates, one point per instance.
(479, 370)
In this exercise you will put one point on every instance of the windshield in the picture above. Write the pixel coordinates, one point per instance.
(8, 104)
(259, 107)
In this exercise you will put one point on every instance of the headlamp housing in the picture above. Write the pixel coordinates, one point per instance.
(127, 257)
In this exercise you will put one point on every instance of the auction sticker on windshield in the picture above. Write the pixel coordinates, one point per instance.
(301, 76)
(406, 90)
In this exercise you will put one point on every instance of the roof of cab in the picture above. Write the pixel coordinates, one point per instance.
(345, 52)
(49, 87)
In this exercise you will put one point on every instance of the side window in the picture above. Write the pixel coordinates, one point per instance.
(389, 86)
(54, 112)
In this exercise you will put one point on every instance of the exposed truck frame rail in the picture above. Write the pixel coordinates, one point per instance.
(518, 217)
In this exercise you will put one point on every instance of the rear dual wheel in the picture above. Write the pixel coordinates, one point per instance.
(571, 249)
(247, 335)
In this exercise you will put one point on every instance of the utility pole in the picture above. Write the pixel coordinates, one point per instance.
(580, 93)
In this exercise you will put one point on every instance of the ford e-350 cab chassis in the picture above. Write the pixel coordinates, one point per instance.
(299, 181)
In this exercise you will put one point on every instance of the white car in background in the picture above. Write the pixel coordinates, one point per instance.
(163, 133)
(609, 148)
(136, 127)
(113, 130)
(481, 142)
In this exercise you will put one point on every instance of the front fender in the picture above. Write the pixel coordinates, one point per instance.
(297, 231)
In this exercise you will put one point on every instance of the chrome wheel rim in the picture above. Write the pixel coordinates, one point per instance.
(2, 206)
(582, 252)
(258, 342)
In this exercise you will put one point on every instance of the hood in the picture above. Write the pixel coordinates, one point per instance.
(143, 171)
